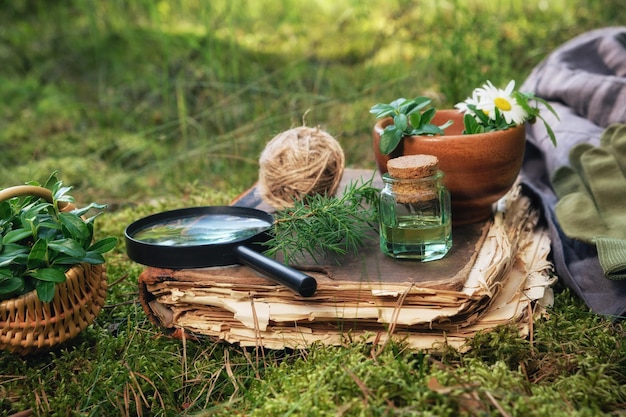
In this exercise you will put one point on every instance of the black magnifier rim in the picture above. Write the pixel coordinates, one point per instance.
(192, 256)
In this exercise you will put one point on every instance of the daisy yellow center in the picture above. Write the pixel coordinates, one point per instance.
(502, 103)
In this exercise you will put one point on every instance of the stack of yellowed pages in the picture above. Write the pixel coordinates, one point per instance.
(498, 273)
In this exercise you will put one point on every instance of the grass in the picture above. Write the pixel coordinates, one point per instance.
(148, 105)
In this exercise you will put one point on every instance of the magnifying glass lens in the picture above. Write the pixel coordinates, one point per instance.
(201, 237)
(201, 230)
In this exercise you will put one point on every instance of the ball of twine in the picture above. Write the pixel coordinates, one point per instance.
(298, 162)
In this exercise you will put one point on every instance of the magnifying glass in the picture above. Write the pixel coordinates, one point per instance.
(200, 237)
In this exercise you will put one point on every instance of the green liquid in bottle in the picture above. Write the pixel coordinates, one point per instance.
(418, 238)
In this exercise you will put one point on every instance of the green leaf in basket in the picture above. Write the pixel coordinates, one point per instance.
(54, 275)
(49, 233)
(10, 284)
(82, 211)
(16, 235)
(49, 223)
(52, 181)
(104, 245)
(12, 253)
(5, 210)
(45, 291)
(90, 257)
(38, 256)
(60, 193)
(67, 246)
(34, 214)
(93, 258)
(74, 226)
(66, 260)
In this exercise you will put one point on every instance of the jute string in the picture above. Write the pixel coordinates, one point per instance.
(298, 162)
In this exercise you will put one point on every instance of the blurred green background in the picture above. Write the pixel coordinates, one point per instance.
(136, 99)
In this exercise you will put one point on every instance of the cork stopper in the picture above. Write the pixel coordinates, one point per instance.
(410, 177)
(413, 166)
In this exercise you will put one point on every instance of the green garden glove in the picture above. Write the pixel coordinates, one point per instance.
(592, 198)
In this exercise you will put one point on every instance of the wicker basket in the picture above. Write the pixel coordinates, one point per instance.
(28, 325)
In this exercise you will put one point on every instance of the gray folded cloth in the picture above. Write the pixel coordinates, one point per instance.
(585, 81)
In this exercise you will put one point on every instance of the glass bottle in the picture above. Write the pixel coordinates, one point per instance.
(415, 221)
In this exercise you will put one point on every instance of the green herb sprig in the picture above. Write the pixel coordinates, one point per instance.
(320, 225)
(39, 242)
(408, 120)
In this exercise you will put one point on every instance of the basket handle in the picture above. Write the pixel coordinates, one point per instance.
(41, 192)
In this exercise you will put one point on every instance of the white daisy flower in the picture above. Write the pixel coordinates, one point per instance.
(463, 106)
(492, 98)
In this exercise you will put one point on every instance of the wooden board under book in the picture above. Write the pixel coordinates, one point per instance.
(371, 265)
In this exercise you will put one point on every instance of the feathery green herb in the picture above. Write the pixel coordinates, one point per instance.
(320, 225)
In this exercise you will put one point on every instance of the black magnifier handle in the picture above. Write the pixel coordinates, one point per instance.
(303, 284)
